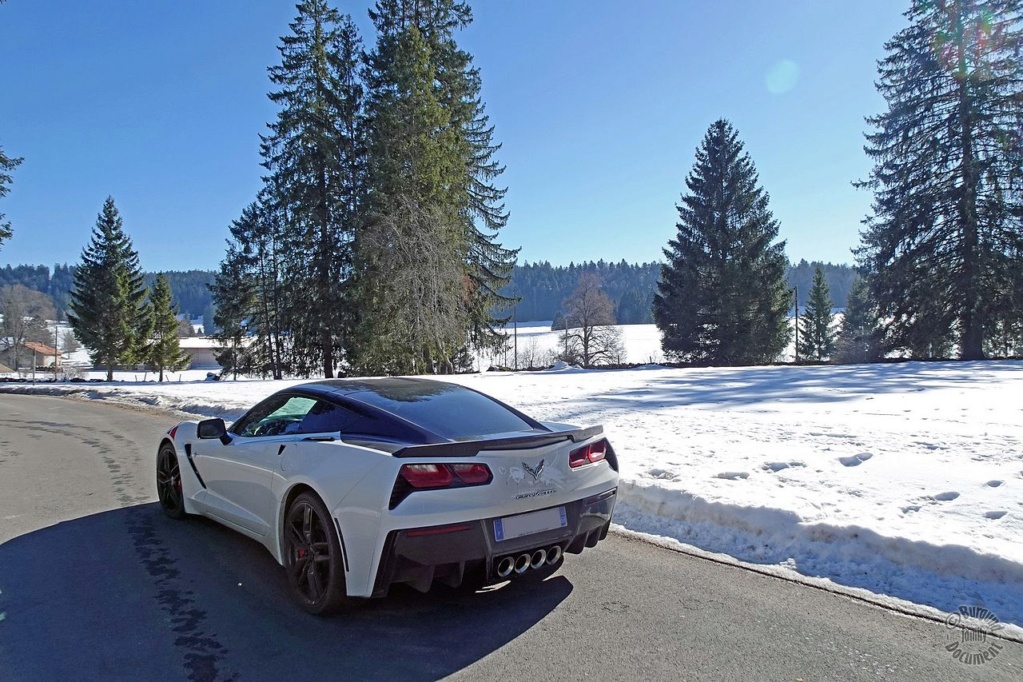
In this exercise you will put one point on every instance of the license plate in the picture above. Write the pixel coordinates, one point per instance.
(511, 527)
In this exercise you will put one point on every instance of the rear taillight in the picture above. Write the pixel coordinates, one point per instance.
(422, 476)
(413, 477)
(173, 432)
(472, 474)
(588, 454)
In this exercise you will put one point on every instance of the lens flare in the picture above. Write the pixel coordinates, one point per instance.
(782, 77)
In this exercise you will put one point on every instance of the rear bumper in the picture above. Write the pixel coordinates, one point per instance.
(453, 553)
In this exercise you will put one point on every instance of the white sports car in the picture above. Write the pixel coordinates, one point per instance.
(357, 484)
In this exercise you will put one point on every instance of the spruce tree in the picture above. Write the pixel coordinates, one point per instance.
(722, 297)
(857, 339)
(315, 153)
(816, 335)
(107, 309)
(943, 245)
(163, 351)
(411, 248)
(234, 296)
(7, 164)
(251, 290)
(469, 204)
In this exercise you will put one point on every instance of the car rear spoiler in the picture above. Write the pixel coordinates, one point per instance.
(471, 448)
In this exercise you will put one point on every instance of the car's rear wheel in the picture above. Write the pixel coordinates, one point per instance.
(168, 482)
(312, 556)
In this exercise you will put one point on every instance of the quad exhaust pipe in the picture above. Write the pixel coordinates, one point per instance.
(523, 562)
(538, 559)
(505, 567)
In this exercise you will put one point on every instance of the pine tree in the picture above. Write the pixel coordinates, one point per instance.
(722, 298)
(944, 243)
(857, 339)
(410, 251)
(7, 164)
(107, 309)
(234, 295)
(163, 351)
(489, 264)
(251, 292)
(315, 153)
(816, 336)
(432, 154)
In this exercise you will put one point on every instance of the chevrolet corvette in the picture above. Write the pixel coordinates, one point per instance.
(358, 484)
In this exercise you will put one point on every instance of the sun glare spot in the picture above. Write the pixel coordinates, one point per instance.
(782, 77)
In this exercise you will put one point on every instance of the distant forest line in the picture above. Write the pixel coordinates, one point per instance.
(541, 287)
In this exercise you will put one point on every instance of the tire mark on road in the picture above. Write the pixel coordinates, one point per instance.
(202, 652)
(123, 480)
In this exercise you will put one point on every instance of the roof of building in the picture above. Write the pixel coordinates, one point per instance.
(40, 348)
(4, 369)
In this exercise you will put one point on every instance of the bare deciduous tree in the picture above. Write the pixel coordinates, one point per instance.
(591, 337)
(414, 287)
(25, 312)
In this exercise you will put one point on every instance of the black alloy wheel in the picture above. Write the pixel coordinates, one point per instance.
(168, 482)
(312, 556)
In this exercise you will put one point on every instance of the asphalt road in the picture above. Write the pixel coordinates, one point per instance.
(95, 583)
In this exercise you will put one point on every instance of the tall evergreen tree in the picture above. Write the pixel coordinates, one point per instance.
(253, 291)
(315, 153)
(163, 351)
(857, 339)
(107, 309)
(944, 243)
(816, 335)
(234, 294)
(410, 251)
(722, 298)
(7, 164)
(432, 150)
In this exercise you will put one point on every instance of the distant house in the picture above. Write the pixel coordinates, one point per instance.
(31, 354)
(4, 369)
(41, 354)
(200, 350)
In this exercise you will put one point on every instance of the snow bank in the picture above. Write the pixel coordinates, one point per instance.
(905, 480)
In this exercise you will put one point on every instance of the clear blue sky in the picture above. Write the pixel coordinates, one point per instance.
(600, 105)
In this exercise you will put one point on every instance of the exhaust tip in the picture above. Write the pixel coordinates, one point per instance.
(505, 567)
(538, 559)
(522, 563)
(554, 555)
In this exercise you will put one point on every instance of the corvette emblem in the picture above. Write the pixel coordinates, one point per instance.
(535, 473)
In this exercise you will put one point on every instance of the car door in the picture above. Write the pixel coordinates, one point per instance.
(239, 475)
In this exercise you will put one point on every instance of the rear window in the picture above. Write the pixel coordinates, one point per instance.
(450, 411)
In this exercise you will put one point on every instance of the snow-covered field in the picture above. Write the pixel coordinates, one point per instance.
(905, 480)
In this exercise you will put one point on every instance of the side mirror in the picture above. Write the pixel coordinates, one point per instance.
(209, 429)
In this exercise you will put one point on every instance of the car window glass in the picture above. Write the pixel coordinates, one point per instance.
(327, 417)
(447, 410)
(324, 417)
(278, 415)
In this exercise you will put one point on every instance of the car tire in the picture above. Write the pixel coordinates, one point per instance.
(168, 482)
(312, 556)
